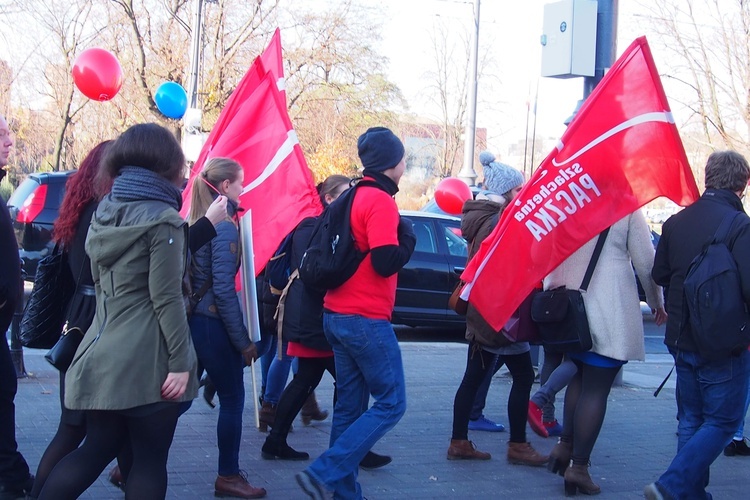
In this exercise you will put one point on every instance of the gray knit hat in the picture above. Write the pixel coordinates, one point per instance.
(499, 177)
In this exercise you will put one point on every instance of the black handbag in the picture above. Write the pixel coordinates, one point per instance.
(44, 314)
(560, 313)
(61, 354)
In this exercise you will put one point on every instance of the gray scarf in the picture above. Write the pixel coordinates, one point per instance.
(140, 184)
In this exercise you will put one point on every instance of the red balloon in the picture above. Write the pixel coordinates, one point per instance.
(450, 195)
(97, 74)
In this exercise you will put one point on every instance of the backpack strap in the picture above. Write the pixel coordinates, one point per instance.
(280, 308)
(594, 259)
(722, 232)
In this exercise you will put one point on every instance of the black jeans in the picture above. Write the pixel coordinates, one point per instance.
(14, 471)
(478, 362)
(309, 373)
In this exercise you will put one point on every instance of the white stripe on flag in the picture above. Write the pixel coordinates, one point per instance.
(281, 84)
(285, 150)
(657, 116)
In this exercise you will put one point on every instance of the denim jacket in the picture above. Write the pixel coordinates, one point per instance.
(221, 258)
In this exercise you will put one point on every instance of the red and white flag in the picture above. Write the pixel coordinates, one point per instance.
(254, 129)
(621, 151)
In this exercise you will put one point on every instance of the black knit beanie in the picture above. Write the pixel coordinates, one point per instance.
(379, 149)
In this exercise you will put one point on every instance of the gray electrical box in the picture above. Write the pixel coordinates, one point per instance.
(569, 39)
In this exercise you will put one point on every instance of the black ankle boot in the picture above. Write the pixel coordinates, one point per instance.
(273, 450)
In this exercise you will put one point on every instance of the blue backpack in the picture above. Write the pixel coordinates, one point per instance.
(716, 309)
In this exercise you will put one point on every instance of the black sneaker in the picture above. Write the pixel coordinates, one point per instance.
(737, 448)
(374, 461)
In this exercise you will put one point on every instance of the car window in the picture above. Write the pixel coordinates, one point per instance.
(457, 245)
(22, 192)
(425, 234)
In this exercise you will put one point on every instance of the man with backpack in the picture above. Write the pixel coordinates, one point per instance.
(357, 323)
(703, 256)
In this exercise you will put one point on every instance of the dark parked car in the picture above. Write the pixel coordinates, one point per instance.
(425, 283)
(34, 207)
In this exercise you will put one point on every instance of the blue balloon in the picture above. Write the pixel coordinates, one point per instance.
(171, 99)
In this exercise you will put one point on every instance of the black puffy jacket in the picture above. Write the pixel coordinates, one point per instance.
(303, 319)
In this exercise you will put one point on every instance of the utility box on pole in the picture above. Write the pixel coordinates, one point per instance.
(569, 39)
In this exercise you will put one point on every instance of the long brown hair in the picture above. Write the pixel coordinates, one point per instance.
(205, 184)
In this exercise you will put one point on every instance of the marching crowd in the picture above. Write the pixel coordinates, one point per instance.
(155, 298)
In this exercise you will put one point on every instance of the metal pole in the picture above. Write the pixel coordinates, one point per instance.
(467, 173)
(606, 48)
(192, 90)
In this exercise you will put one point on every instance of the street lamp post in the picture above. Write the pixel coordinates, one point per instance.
(192, 139)
(467, 173)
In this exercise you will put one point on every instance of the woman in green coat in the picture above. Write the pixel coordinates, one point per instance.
(136, 361)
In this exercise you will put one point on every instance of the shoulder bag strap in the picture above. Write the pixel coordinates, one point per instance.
(594, 259)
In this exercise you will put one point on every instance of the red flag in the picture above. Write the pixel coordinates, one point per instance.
(621, 151)
(254, 129)
(273, 62)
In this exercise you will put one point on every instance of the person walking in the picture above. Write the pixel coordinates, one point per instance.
(83, 190)
(712, 393)
(487, 348)
(221, 340)
(139, 336)
(15, 479)
(616, 323)
(356, 321)
(302, 328)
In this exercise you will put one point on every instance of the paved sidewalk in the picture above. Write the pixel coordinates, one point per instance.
(636, 444)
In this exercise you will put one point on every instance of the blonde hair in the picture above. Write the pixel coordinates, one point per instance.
(205, 184)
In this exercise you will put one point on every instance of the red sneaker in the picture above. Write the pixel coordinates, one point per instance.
(535, 420)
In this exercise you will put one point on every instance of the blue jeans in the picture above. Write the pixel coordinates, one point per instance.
(278, 373)
(224, 365)
(709, 415)
(741, 430)
(368, 362)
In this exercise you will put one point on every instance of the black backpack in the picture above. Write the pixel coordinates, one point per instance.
(331, 257)
(279, 266)
(716, 309)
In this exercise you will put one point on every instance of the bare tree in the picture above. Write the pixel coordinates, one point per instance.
(69, 27)
(707, 61)
(336, 86)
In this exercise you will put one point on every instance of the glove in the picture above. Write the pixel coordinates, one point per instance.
(406, 237)
(250, 354)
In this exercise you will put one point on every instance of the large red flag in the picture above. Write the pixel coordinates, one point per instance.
(255, 130)
(621, 151)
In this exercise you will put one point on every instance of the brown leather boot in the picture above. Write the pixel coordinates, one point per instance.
(266, 416)
(559, 457)
(577, 478)
(236, 486)
(524, 454)
(463, 449)
(311, 410)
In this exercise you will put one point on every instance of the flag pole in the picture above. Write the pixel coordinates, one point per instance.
(249, 295)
